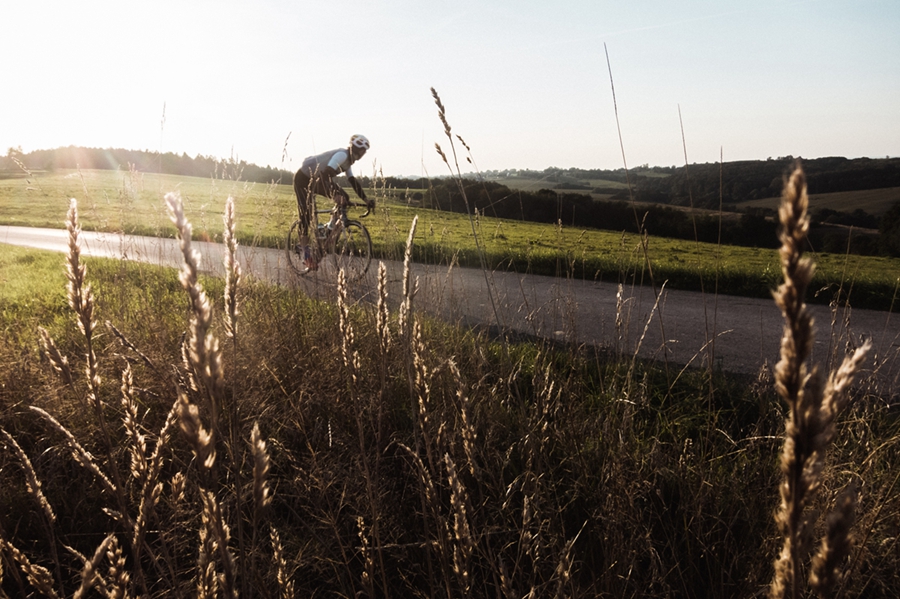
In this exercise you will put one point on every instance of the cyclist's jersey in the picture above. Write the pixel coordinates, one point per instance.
(338, 159)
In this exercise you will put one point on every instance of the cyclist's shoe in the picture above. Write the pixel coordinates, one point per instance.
(309, 260)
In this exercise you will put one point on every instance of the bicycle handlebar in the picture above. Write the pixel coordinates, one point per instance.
(361, 205)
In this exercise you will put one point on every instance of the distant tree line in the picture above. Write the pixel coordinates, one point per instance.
(704, 185)
(72, 157)
(753, 228)
(581, 210)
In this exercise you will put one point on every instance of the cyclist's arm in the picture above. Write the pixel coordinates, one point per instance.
(341, 162)
(357, 187)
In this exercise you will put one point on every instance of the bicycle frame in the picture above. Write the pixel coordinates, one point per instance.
(338, 215)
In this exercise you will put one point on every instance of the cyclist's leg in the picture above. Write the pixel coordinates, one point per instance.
(305, 200)
(304, 189)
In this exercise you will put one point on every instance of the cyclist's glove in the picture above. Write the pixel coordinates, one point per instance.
(370, 204)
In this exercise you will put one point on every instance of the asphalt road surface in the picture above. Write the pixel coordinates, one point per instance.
(681, 327)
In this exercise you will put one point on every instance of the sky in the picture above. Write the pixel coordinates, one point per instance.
(527, 84)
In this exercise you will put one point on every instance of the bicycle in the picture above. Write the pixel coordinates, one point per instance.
(348, 240)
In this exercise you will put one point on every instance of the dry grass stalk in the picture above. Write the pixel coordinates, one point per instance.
(835, 546)
(81, 300)
(440, 152)
(383, 311)
(129, 345)
(203, 346)
(620, 318)
(282, 576)
(464, 544)
(207, 578)
(176, 487)
(118, 576)
(215, 527)
(409, 288)
(57, 360)
(200, 439)
(442, 112)
(505, 583)
(191, 380)
(466, 429)
(430, 492)
(152, 487)
(138, 446)
(813, 410)
(149, 499)
(261, 492)
(81, 455)
(162, 439)
(232, 270)
(232, 280)
(531, 530)
(32, 483)
(37, 576)
(564, 569)
(349, 355)
(422, 381)
(368, 573)
(89, 574)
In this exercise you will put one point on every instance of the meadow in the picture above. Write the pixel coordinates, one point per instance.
(170, 435)
(130, 201)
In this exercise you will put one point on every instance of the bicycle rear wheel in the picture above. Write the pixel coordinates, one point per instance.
(353, 250)
(295, 250)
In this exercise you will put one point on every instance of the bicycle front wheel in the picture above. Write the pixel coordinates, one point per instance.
(353, 250)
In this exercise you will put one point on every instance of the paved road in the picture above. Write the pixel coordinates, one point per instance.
(736, 334)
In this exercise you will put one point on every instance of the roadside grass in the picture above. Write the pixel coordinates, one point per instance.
(32, 294)
(27, 275)
(130, 202)
(364, 454)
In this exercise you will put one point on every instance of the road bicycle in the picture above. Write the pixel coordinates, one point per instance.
(346, 240)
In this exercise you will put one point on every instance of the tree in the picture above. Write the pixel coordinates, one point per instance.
(890, 230)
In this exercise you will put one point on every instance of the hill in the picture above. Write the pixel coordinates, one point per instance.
(706, 185)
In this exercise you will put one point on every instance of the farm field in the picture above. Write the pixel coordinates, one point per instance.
(585, 186)
(874, 201)
(132, 202)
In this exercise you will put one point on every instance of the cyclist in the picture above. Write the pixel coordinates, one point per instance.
(316, 176)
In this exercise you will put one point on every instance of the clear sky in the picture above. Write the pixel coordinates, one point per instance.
(525, 82)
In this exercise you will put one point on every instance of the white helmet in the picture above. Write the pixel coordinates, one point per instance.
(360, 142)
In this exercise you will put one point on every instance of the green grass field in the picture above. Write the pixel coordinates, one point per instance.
(132, 202)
